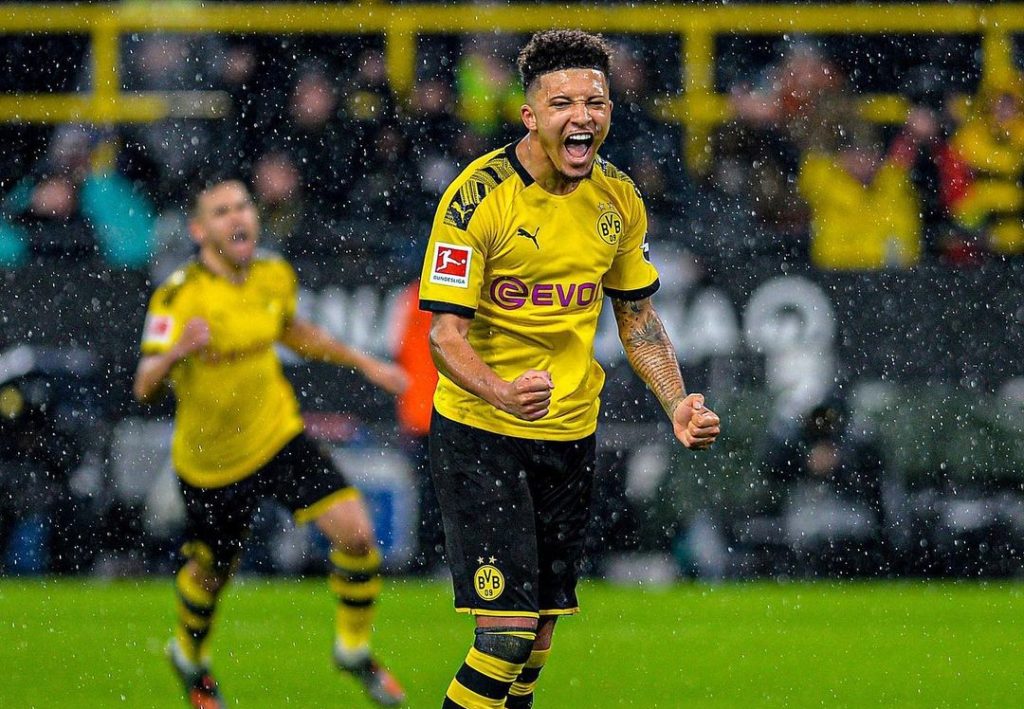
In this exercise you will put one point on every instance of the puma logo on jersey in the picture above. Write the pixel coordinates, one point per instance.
(527, 235)
(458, 215)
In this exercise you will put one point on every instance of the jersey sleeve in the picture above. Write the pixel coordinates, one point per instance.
(165, 319)
(291, 292)
(632, 276)
(456, 256)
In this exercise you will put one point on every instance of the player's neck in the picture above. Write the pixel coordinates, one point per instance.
(531, 154)
(220, 266)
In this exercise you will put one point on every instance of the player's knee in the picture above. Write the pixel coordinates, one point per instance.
(357, 544)
(545, 631)
(347, 525)
(206, 578)
(509, 644)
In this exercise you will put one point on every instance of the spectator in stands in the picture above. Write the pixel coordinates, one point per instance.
(928, 88)
(785, 115)
(370, 111)
(257, 89)
(982, 174)
(797, 96)
(169, 154)
(76, 206)
(386, 187)
(53, 221)
(432, 129)
(724, 225)
(277, 191)
(369, 101)
(318, 140)
(489, 95)
(658, 168)
(410, 330)
(865, 213)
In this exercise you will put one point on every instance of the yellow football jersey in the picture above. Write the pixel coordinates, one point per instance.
(532, 269)
(235, 409)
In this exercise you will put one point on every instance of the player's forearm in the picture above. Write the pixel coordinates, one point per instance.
(456, 359)
(312, 342)
(650, 351)
(315, 343)
(151, 374)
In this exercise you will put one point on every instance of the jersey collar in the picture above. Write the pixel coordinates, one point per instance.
(510, 153)
(527, 178)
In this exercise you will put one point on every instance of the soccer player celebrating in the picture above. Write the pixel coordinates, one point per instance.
(238, 437)
(525, 244)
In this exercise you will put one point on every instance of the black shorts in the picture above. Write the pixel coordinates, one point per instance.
(302, 477)
(514, 513)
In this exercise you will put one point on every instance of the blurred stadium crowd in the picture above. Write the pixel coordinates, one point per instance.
(325, 142)
(346, 171)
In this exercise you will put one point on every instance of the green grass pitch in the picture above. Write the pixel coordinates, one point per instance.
(67, 643)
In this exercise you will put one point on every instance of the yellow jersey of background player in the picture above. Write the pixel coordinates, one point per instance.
(532, 269)
(211, 331)
(235, 409)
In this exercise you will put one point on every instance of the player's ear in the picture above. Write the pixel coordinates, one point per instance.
(528, 116)
(195, 230)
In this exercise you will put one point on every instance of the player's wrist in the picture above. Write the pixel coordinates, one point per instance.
(501, 395)
(672, 404)
(177, 353)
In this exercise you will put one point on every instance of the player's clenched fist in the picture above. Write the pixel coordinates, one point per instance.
(528, 396)
(695, 425)
(194, 337)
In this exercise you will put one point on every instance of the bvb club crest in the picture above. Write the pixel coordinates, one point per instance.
(609, 225)
(488, 582)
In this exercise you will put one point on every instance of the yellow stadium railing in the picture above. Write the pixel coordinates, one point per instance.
(698, 107)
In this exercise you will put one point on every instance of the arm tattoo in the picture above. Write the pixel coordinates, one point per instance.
(650, 351)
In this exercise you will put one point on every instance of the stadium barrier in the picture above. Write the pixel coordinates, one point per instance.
(698, 107)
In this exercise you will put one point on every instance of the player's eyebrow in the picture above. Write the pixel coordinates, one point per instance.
(565, 97)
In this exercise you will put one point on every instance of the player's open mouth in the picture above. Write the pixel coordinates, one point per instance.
(578, 146)
(240, 236)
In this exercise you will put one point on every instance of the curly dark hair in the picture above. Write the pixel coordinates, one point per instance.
(554, 50)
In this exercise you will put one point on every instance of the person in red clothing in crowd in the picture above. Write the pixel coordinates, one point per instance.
(981, 170)
(410, 350)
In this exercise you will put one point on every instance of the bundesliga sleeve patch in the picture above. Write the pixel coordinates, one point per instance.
(451, 265)
(157, 330)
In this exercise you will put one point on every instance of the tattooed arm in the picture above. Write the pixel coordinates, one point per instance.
(650, 351)
(653, 358)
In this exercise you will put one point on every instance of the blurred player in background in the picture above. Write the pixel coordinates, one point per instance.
(210, 332)
(525, 244)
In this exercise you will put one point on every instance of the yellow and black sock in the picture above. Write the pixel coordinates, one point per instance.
(356, 582)
(195, 606)
(493, 663)
(520, 695)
